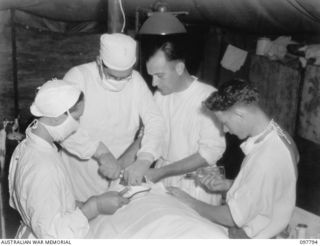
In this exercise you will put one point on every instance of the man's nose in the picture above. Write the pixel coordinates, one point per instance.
(155, 82)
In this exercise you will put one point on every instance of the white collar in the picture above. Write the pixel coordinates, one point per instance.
(249, 145)
(36, 140)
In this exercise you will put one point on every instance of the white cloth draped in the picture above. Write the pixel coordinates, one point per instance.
(155, 215)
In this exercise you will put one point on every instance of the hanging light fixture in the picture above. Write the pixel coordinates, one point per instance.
(162, 22)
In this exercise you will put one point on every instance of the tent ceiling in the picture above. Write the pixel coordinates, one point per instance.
(254, 16)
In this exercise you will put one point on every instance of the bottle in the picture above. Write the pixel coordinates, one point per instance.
(301, 231)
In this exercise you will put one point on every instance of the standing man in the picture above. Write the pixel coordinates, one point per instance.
(193, 139)
(261, 199)
(117, 99)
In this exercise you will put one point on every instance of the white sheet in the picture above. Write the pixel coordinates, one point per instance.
(155, 215)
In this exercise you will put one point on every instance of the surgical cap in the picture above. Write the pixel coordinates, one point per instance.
(54, 98)
(118, 51)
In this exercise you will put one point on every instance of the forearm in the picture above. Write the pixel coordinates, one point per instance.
(129, 156)
(89, 208)
(101, 151)
(183, 166)
(217, 214)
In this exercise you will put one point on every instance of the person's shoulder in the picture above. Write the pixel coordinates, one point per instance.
(137, 77)
(204, 88)
(278, 150)
(138, 81)
(80, 67)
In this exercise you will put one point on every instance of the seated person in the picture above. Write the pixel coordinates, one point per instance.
(261, 199)
(39, 188)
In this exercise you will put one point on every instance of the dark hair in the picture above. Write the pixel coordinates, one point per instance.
(173, 51)
(230, 93)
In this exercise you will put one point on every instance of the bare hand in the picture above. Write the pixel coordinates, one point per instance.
(134, 173)
(110, 202)
(109, 166)
(215, 183)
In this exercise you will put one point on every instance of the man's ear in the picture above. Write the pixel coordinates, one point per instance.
(180, 66)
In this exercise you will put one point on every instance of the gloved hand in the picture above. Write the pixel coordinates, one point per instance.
(106, 203)
(110, 202)
(215, 183)
(109, 166)
(134, 173)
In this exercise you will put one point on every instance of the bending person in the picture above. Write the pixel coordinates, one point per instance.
(117, 99)
(193, 139)
(261, 199)
(39, 187)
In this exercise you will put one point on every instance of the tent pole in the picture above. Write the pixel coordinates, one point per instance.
(114, 16)
(14, 64)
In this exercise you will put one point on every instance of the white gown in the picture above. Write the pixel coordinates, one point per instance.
(262, 197)
(113, 118)
(190, 130)
(42, 193)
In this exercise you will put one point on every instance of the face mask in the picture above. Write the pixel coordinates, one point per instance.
(114, 85)
(110, 84)
(64, 130)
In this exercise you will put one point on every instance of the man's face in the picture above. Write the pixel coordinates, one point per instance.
(233, 122)
(163, 72)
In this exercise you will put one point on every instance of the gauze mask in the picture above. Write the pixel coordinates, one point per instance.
(110, 84)
(114, 85)
(64, 130)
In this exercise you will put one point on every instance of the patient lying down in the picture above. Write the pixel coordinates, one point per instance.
(153, 213)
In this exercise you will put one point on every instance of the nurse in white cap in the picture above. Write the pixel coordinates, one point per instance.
(39, 187)
(117, 99)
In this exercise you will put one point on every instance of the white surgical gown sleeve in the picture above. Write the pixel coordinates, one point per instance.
(212, 142)
(79, 143)
(154, 126)
(253, 200)
(49, 218)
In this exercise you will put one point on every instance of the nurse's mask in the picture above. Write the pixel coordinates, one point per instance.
(114, 85)
(64, 130)
(110, 83)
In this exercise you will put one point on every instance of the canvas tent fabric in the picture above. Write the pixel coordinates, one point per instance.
(263, 16)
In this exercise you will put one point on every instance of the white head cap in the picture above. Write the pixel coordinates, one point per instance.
(118, 51)
(54, 98)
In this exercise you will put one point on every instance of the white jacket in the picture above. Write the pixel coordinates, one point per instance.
(113, 118)
(41, 192)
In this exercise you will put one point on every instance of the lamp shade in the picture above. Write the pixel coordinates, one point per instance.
(162, 23)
